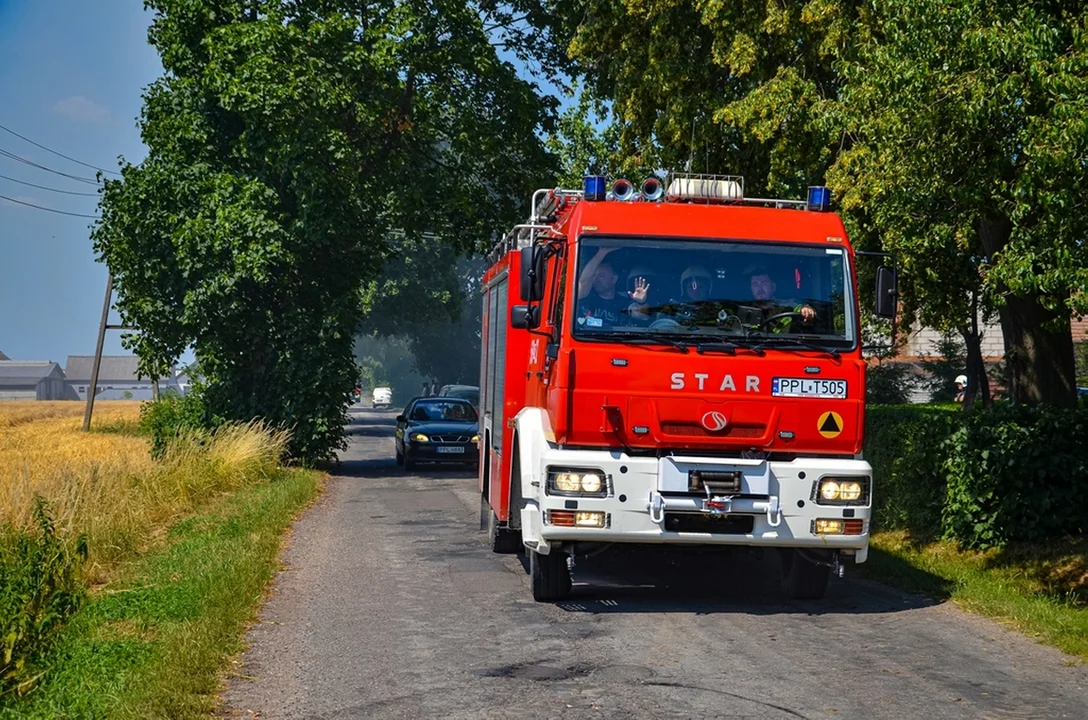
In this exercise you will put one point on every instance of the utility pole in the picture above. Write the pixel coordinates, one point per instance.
(92, 389)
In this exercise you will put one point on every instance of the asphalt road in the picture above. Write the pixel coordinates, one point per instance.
(391, 606)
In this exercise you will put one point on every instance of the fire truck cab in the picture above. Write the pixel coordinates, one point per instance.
(675, 364)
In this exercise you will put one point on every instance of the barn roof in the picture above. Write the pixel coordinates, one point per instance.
(114, 368)
(21, 373)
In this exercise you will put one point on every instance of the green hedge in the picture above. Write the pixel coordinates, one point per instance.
(903, 443)
(983, 479)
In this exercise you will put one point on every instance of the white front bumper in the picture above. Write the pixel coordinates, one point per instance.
(644, 491)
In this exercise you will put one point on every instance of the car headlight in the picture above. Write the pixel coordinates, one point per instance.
(842, 491)
(475, 438)
(577, 482)
(419, 437)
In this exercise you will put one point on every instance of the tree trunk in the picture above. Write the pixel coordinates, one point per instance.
(1040, 361)
(978, 384)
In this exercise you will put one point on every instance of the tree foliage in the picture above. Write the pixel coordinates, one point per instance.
(956, 134)
(290, 143)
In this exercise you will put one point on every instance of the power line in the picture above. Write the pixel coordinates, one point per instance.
(13, 156)
(50, 189)
(58, 154)
(39, 207)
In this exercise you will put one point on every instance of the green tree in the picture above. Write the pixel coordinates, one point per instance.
(954, 132)
(967, 147)
(290, 141)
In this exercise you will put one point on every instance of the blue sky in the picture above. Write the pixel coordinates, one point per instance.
(71, 77)
(72, 73)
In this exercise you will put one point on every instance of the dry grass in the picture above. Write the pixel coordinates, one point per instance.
(105, 485)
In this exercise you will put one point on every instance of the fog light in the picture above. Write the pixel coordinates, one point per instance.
(589, 519)
(827, 526)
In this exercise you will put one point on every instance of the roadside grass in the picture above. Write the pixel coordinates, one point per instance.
(1040, 590)
(177, 552)
(154, 643)
(104, 485)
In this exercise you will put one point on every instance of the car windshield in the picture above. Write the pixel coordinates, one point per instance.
(443, 410)
(633, 290)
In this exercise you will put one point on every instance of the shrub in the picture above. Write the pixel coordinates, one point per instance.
(39, 588)
(904, 446)
(1016, 473)
(164, 419)
(889, 383)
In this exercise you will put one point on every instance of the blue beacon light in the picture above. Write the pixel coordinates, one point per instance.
(593, 188)
(819, 198)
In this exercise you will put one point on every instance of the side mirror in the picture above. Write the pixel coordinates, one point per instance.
(524, 317)
(531, 287)
(400, 418)
(886, 294)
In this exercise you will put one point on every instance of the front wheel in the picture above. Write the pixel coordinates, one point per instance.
(549, 575)
(805, 574)
(409, 462)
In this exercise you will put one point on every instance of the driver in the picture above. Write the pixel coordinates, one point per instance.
(763, 292)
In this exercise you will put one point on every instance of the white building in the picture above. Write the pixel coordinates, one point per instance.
(118, 378)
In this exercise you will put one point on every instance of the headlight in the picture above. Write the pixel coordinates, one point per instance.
(577, 482)
(419, 437)
(842, 491)
(475, 438)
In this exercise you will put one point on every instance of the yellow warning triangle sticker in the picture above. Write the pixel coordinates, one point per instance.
(830, 424)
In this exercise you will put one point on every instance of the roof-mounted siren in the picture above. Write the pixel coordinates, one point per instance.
(652, 189)
(593, 188)
(705, 188)
(623, 190)
(819, 198)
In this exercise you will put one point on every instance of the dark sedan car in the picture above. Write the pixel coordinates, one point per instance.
(437, 429)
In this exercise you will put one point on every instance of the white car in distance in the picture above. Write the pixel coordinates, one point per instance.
(383, 397)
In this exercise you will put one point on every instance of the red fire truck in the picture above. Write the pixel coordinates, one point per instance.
(676, 364)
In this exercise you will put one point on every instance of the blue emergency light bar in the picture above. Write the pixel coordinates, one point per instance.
(594, 188)
(819, 198)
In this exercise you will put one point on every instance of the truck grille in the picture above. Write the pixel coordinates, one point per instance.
(733, 431)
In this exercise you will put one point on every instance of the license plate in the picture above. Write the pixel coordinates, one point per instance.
(451, 450)
(808, 387)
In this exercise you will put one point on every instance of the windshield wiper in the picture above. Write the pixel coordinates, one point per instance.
(640, 338)
(796, 342)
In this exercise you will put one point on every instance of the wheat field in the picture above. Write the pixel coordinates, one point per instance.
(104, 486)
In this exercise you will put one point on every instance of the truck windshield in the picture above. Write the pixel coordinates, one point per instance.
(695, 290)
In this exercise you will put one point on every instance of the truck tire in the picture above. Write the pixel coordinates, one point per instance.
(803, 575)
(502, 540)
(550, 576)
